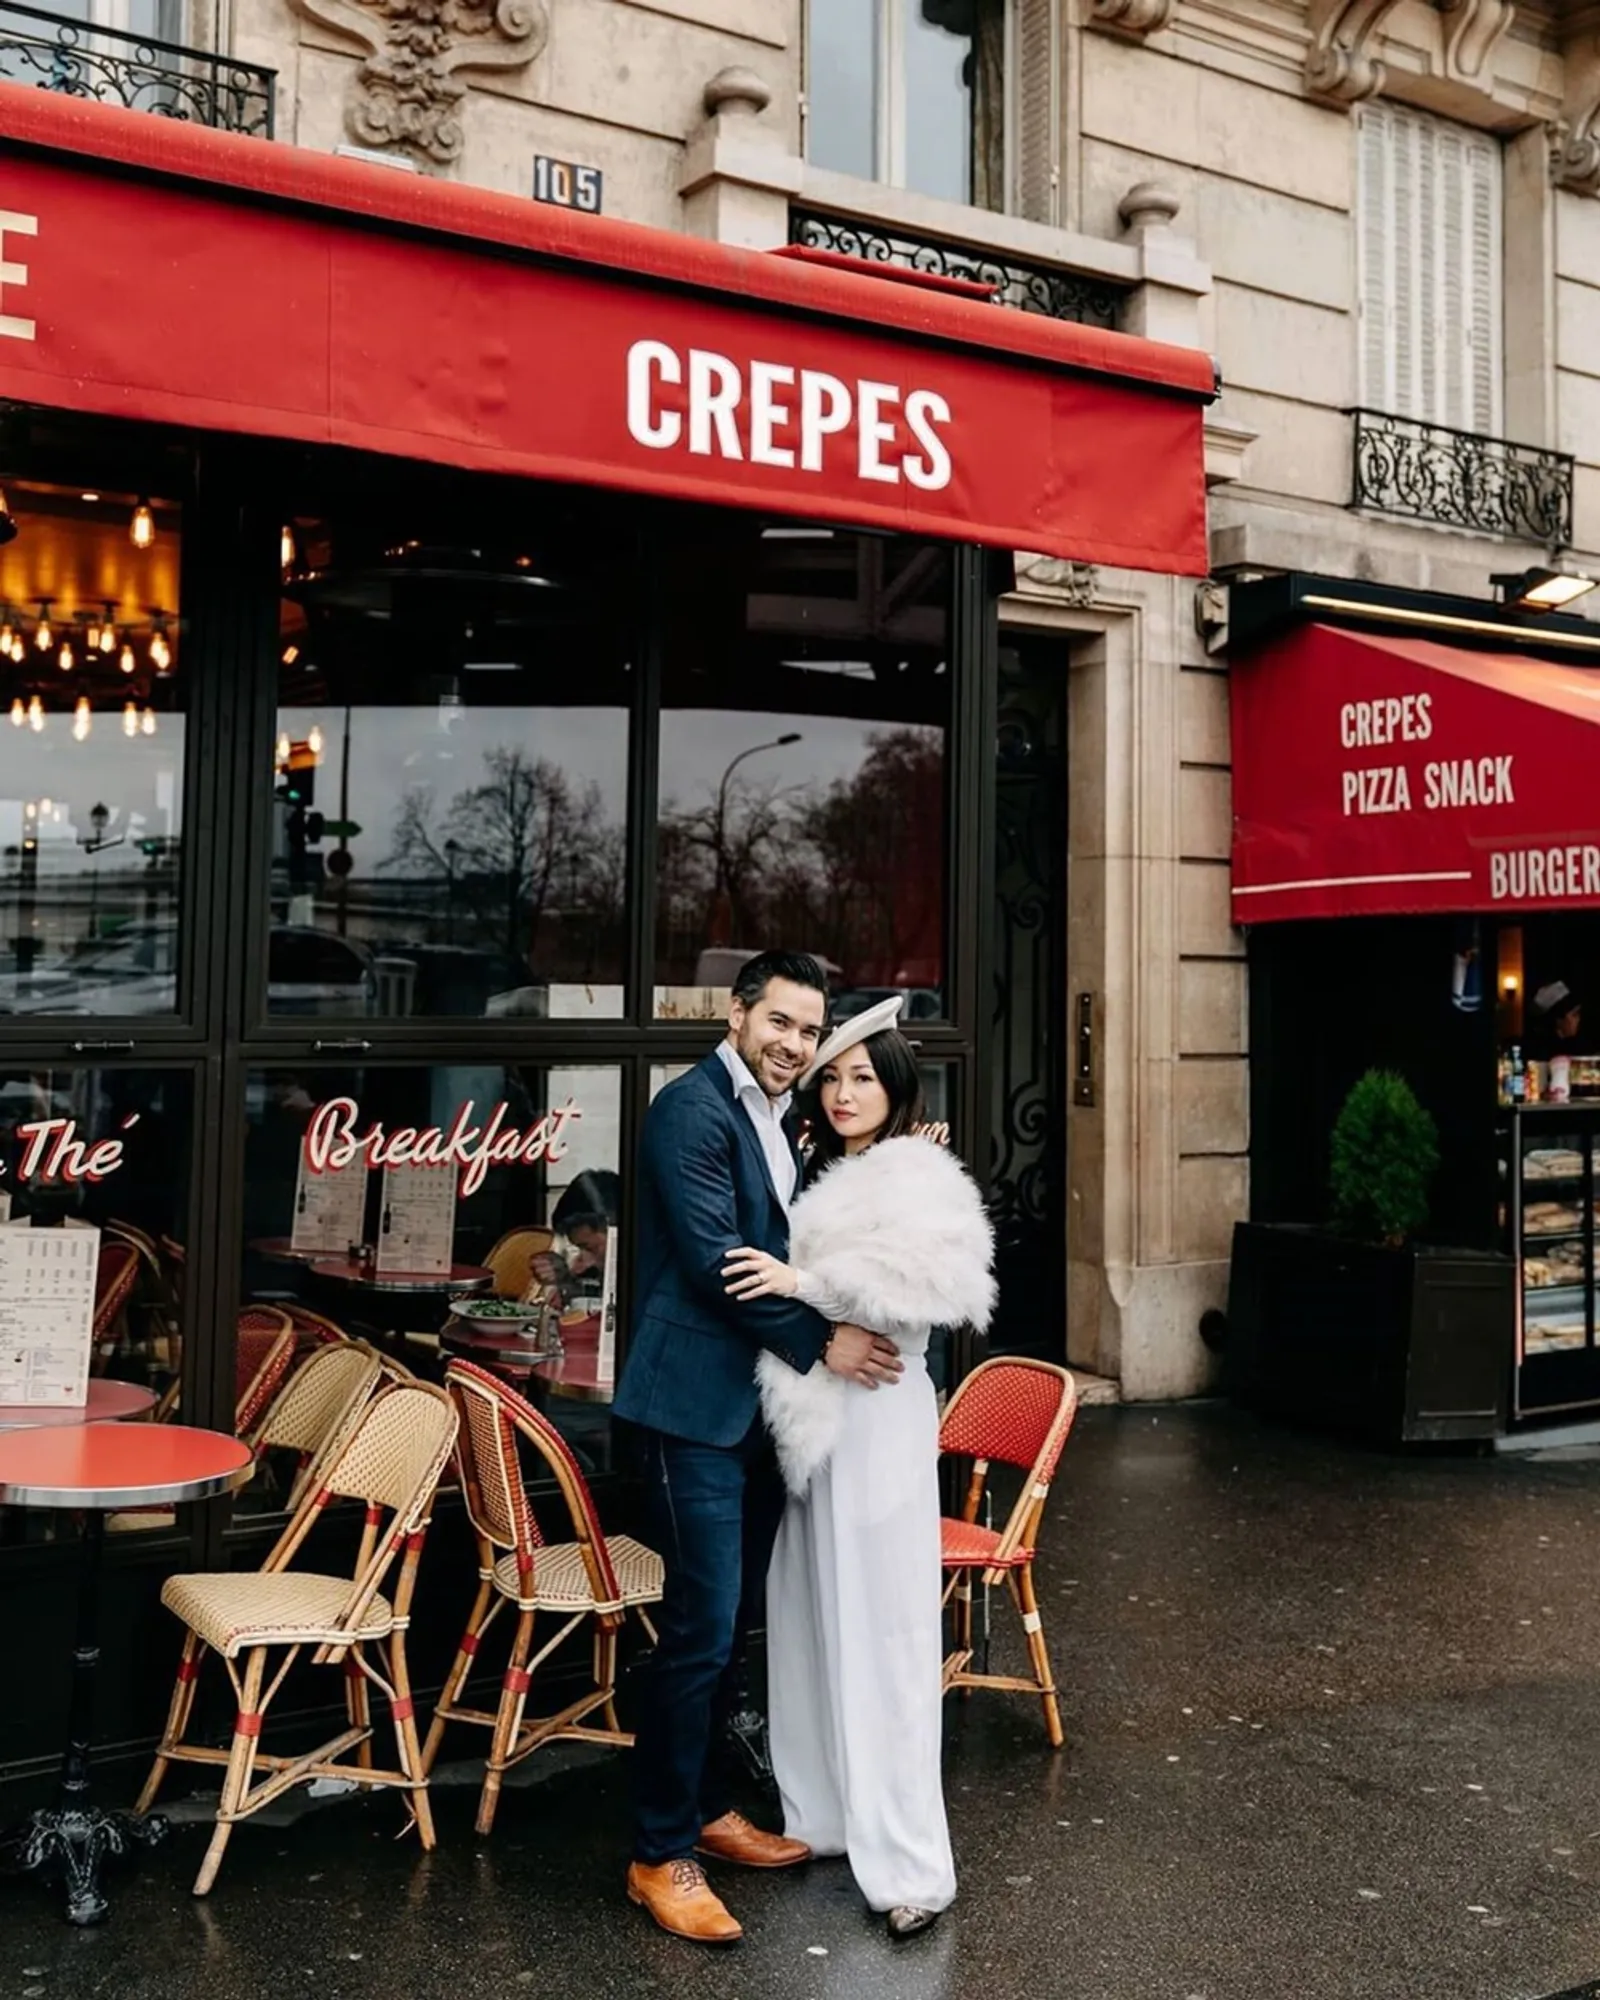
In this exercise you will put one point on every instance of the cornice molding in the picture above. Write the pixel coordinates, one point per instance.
(1136, 18)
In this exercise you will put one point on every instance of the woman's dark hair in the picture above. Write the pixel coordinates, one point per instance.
(894, 1063)
(593, 1200)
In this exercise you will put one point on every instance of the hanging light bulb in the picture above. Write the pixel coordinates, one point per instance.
(314, 739)
(286, 547)
(142, 528)
(126, 660)
(285, 749)
(64, 659)
(147, 723)
(91, 636)
(108, 634)
(82, 720)
(46, 806)
(35, 715)
(43, 637)
(19, 714)
(290, 655)
(6, 637)
(130, 718)
(160, 651)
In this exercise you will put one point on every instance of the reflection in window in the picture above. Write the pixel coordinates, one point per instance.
(91, 754)
(465, 1208)
(451, 770)
(909, 92)
(98, 1157)
(805, 710)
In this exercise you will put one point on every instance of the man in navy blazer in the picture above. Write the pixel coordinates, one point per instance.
(719, 1169)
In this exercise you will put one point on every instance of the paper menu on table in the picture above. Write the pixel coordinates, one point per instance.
(330, 1208)
(48, 1279)
(606, 1360)
(417, 1231)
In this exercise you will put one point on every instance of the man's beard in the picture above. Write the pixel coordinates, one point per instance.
(751, 1054)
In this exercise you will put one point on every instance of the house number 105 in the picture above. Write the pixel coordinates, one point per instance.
(567, 185)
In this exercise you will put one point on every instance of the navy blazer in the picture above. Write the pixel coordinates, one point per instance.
(704, 1190)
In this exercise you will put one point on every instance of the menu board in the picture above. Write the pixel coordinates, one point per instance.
(417, 1231)
(330, 1208)
(47, 1293)
(606, 1361)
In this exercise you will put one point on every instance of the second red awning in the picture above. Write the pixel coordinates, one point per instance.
(1376, 776)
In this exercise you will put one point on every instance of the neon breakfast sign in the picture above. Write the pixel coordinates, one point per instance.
(333, 1143)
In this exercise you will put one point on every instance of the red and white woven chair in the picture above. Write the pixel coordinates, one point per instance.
(1019, 1413)
(592, 1578)
(390, 1458)
(263, 1355)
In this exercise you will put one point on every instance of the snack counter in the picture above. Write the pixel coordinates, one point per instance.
(1548, 1155)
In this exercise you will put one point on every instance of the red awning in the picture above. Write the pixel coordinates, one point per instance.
(155, 270)
(1374, 776)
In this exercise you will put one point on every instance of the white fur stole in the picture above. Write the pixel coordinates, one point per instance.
(899, 1239)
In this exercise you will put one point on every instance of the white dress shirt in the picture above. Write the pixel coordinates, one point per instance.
(766, 1114)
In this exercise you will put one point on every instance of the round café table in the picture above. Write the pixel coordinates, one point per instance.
(575, 1372)
(95, 1469)
(281, 1250)
(459, 1278)
(108, 1403)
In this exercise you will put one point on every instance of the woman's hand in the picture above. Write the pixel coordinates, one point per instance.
(939, 1133)
(752, 1274)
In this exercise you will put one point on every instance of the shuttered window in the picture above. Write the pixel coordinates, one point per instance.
(1428, 257)
(1034, 60)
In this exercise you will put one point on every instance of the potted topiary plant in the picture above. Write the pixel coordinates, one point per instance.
(1384, 1153)
(1360, 1326)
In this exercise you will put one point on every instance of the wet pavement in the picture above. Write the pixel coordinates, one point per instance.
(1333, 1734)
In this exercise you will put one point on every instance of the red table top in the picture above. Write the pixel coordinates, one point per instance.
(119, 1465)
(282, 1247)
(109, 1402)
(459, 1278)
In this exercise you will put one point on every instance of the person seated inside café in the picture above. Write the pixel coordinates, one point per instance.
(1555, 1025)
(584, 1212)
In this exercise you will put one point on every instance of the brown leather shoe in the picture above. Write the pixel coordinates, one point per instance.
(732, 1838)
(680, 1899)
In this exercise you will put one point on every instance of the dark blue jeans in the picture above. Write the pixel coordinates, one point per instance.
(713, 1514)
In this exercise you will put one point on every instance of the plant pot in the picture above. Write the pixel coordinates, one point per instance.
(1396, 1346)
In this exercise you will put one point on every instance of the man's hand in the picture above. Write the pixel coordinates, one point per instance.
(866, 1358)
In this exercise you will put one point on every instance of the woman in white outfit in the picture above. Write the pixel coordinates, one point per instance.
(892, 1235)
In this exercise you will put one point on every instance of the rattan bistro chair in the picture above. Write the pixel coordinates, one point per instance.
(591, 1578)
(511, 1259)
(316, 1406)
(262, 1357)
(1018, 1412)
(390, 1459)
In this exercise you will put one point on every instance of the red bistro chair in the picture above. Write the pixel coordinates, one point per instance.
(591, 1578)
(1018, 1412)
(263, 1356)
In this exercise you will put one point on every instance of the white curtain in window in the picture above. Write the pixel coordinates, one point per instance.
(1429, 268)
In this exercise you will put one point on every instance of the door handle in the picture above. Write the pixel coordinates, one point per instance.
(352, 1046)
(102, 1048)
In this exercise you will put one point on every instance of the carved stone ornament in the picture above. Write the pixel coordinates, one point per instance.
(408, 91)
(1131, 17)
(1575, 142)
(1073, 583)
(1340, 63)
(1473, 30)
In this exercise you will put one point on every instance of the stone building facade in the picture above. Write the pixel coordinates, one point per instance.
(1215, 173)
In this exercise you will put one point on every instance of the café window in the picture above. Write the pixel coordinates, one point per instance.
(94, 1202)
(92, 755)
(471, 1208)
(450, 775)
(804, 733)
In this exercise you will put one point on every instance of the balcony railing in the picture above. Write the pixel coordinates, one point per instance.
(1037, 288)
(1427, 472)
(136, 71)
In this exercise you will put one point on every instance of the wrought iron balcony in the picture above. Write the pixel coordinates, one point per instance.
(1037, 288)
(138, 72)
(1427, 472)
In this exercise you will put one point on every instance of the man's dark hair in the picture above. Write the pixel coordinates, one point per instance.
(798, 967)
(593, 1201)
